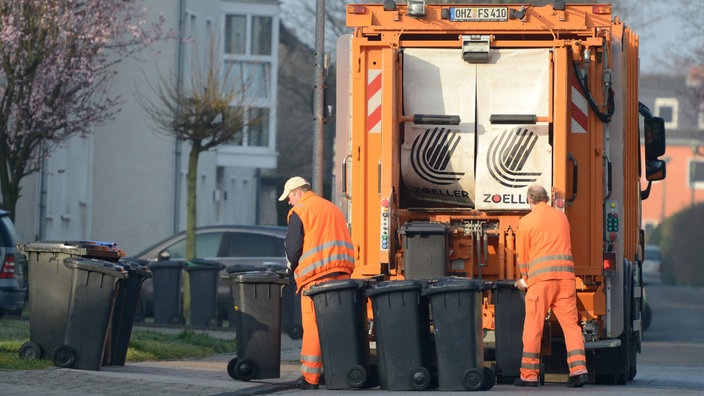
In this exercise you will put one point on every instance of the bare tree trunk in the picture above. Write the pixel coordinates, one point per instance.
(190, 222)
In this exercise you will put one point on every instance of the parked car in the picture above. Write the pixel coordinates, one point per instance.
(234, 246)
(13, 286)
(652, 264)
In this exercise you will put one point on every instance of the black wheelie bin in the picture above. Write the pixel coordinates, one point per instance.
(510, 311)
(204, 276)
(50, 287)
(166, 278)
(257, 304)
(456, 310)
(402, 328)
(124, 311)
(91, 298)
(341, 315)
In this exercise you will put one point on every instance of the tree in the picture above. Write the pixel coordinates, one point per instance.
(57, 59)
(206, 112)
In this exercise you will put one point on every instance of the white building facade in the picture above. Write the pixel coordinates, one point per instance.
(126, 183)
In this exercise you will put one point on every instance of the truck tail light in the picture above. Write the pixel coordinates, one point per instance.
(601, 9)
(356, 9)
(8, 268)
(609, 264)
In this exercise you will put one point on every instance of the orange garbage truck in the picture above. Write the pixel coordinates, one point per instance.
(446, 113)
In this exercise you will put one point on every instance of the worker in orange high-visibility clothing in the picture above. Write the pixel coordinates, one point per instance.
(319, 249)
(547, 272)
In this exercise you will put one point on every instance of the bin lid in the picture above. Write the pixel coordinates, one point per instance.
(135, 266)
(199, 264)
(337, 284)
(394, 286)
(255, 277)
(96, 265)
(505, 283)
(423, 227)
(166, 264)
(97, 249)
(453, 284)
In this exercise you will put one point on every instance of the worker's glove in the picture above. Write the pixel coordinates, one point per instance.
(521, 284)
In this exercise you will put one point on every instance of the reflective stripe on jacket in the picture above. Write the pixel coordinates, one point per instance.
(543, 245)
(327, 246)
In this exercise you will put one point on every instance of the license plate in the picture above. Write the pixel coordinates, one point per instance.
(479, 14)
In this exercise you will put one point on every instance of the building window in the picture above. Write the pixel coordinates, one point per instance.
(248, 53)
(667, 109)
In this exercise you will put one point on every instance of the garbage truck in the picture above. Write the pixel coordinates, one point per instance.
(446, 113)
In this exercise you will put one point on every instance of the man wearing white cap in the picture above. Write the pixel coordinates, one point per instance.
(319, 249)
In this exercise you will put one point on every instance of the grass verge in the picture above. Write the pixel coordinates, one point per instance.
(144, 345)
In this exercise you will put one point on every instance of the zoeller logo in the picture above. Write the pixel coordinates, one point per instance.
(431, 153)
(508, 154)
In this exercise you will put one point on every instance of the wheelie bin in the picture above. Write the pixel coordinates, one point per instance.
(341, 315)
(166, 278)
(510, 311)
(204, 276)
(456, 310)
(92, 293)
(124, 310)
(257, 306)
(49, 289)
(402, 328)
(291, 322)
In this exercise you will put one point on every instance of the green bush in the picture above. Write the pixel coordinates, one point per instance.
(680, 239)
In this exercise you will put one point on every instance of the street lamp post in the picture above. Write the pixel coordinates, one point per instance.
(694, 146)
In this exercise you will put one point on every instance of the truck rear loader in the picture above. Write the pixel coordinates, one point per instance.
(448, 112)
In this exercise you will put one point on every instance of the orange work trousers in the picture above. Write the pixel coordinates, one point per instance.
(560, 295)
(311, 355)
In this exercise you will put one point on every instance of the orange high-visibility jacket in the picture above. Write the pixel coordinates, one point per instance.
(543, 245)
(327, 246)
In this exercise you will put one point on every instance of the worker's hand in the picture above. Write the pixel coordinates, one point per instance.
(521, 284)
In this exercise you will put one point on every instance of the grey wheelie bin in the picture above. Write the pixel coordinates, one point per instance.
(49, 289)
(204, 276)
(402, 329)
(456, 309)
(166, 278)
(124, 310)
(92, 293)
(291, 322)
(257, 305)
(341, 315)
(510, 311)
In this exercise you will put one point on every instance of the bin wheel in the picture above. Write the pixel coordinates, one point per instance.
(178, 319)
(295, 332)
(243, 369)
(30, 351)
(64, 356)
(473, 379)
(489, 379)
(420, 378)
(356, 376)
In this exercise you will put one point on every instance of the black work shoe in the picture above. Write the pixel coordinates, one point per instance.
(303, 384)
(577, 381)
(520, 382)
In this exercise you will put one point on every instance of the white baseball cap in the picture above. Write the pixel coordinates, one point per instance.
(292, 184)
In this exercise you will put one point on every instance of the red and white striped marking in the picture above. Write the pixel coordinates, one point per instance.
(580, 107)
(374, 101)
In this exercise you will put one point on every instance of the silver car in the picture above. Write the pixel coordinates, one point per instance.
(13, 286)
(235, 246)
(652, 264)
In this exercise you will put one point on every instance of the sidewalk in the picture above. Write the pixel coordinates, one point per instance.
(207, 376)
